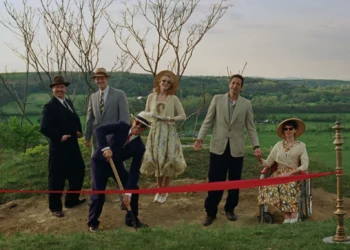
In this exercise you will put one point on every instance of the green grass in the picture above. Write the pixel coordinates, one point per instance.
(306, 235)
(29, 171)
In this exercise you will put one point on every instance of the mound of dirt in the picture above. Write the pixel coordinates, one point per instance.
(33, 216)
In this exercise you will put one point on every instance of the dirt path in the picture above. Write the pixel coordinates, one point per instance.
(32, 215)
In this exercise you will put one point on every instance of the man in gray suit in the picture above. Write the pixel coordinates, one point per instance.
(107, 105)
(229, 114)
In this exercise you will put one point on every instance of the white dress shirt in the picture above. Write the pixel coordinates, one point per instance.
(105, 93)
(62, 101)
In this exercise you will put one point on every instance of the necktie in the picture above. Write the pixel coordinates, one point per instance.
(102, 104)
(128, 138)
(67, 106)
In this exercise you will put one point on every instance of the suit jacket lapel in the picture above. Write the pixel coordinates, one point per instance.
(96, 102)
(106, 105)
(237, 109)
(224, 105)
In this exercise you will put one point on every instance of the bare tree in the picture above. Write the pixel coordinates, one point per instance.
(169, 21)
(176, 34)
(62, 37)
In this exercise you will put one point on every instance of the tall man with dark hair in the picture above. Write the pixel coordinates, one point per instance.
(228, 115)
(61, 124)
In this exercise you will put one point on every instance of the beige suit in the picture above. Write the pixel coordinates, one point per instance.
(224, 130)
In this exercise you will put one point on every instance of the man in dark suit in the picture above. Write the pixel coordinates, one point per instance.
(61, 124)
(125, 143)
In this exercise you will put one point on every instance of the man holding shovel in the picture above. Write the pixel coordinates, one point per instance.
(125, 143)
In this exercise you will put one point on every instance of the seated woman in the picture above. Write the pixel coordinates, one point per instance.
(291, 158)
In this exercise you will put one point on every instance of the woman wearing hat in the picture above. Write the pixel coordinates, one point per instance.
(163, 157)
(291, 158)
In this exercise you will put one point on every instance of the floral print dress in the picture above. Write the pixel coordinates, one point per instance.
(284, 197)
(163, 156)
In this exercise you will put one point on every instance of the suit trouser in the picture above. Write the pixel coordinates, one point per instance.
(101, 171)
(66, 164)
(94, 148)
(218, 168)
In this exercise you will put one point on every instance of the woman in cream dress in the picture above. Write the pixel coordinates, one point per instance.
(291, 157)
(164, 157)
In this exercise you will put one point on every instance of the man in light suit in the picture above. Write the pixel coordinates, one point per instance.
(229, 114)
(107, 105)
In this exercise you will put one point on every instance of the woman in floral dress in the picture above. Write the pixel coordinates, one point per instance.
(164, 157)
(291, 157)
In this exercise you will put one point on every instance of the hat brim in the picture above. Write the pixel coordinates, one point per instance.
(136, 118)
(63, 83)
(100, 74)
(174, 80)
(300, 130)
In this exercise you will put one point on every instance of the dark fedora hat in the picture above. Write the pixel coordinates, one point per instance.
(58, 80)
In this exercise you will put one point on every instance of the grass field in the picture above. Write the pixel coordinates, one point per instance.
(306, 235)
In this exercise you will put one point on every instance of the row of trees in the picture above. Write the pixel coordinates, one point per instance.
(147, 33)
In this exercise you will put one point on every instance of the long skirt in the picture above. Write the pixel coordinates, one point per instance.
(163, 156)
(284, 197)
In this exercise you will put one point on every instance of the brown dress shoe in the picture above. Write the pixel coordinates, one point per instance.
(231, 216)
(58, 214)
(208, 221)
(93, 229)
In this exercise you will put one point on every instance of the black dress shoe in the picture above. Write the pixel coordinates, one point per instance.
(71, 204)
(139, 224)
(208, 221)
(231, 216)
(58, 214)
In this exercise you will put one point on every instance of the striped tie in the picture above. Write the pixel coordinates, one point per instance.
(102, 104)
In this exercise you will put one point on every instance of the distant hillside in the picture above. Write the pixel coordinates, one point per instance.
(267, 95)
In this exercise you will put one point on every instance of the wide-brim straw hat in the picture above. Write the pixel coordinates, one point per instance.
(143, 117)
(300, 129)
(173, 77)
(100, 72)
(58, 80)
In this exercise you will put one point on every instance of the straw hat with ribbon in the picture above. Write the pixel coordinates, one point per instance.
(100, 72)
(173, 77)
(300, 129)
(143, 117)
(58, 80)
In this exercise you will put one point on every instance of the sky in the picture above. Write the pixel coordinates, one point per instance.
(277, 39)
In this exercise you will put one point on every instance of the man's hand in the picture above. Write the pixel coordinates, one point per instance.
(126, 200)
(65, 138)
(197, 145)
(87, 144)
(78, 134)
(108, 153)
(258, 153)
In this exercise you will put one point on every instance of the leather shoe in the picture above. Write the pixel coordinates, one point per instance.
(208, 221)
(58, 214)
(72, 204)
(93, 229)
(231, 216)
(139, 224)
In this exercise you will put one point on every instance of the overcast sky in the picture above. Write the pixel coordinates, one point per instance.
(289, 38)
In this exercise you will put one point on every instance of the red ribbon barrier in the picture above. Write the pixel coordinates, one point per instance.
(212, 186)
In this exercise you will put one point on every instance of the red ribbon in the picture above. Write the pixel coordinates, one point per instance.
(212, 186)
